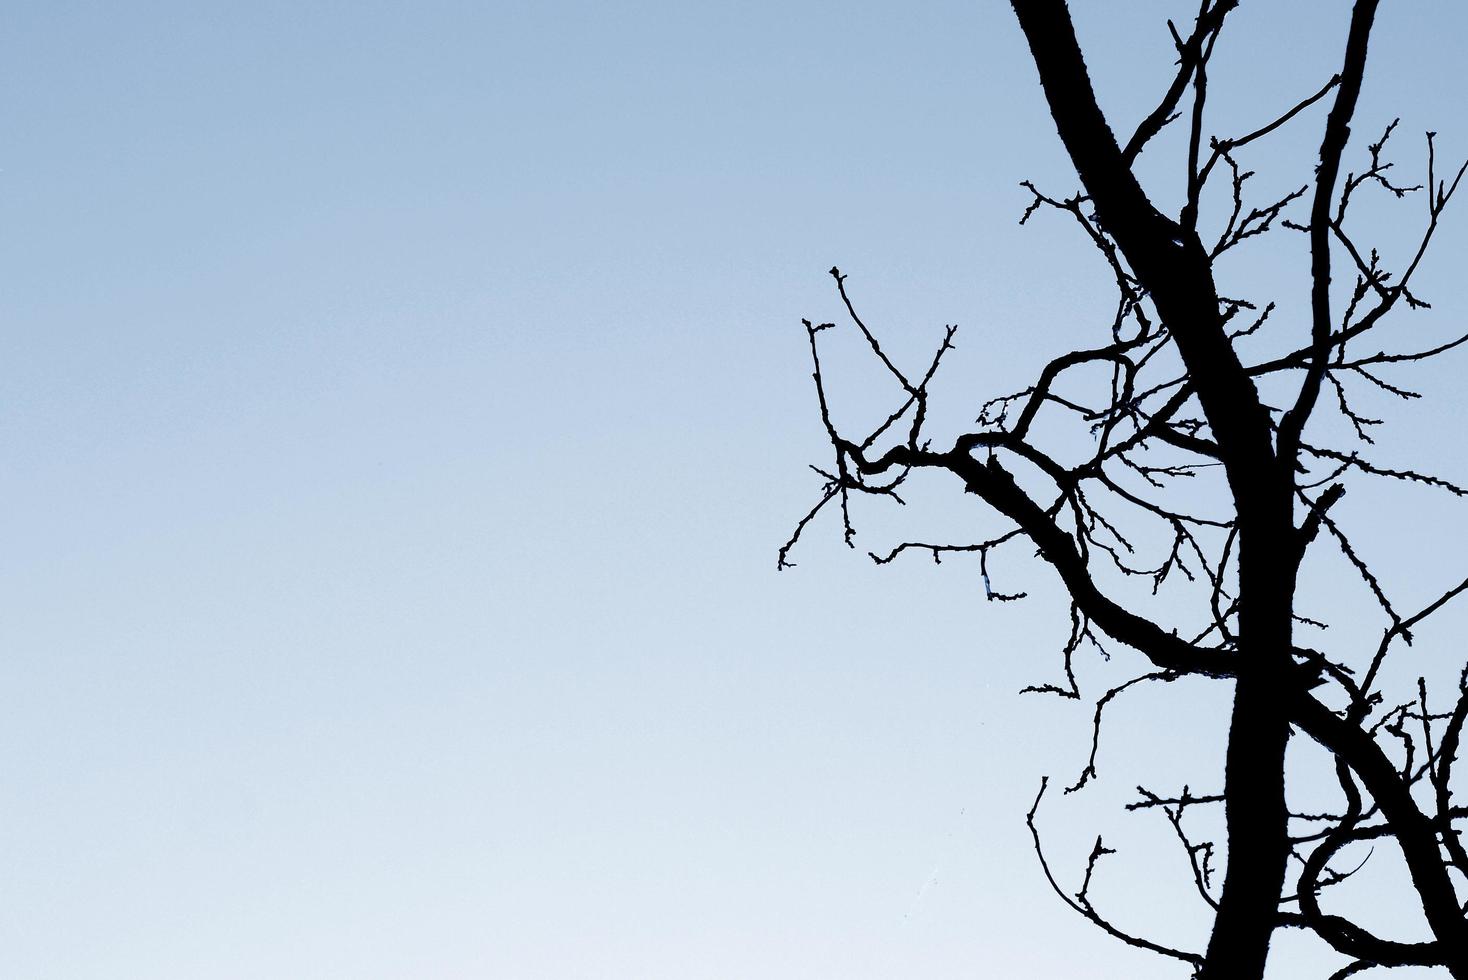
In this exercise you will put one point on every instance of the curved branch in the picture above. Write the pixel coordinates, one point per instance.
(1081, 903)
(1332, 146)
(1411, 827)
(998, 489)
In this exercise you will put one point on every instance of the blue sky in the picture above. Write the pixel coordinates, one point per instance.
(402, 404)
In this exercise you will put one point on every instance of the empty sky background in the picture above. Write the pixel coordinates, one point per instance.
(400, 408)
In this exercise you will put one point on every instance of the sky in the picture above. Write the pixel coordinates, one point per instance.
(402, 405)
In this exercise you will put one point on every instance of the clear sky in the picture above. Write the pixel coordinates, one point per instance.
(401, 405)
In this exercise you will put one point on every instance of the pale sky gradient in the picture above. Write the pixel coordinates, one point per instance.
(401, 405)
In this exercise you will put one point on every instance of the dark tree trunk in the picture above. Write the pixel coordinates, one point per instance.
(1258, 849)
(1259, 733)
(1174, 268)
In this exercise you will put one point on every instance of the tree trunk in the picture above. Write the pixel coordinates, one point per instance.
(1257, 833)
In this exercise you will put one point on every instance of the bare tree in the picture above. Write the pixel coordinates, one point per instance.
(1170, 399)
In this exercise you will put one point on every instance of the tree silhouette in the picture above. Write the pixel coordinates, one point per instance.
(1177, 402)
